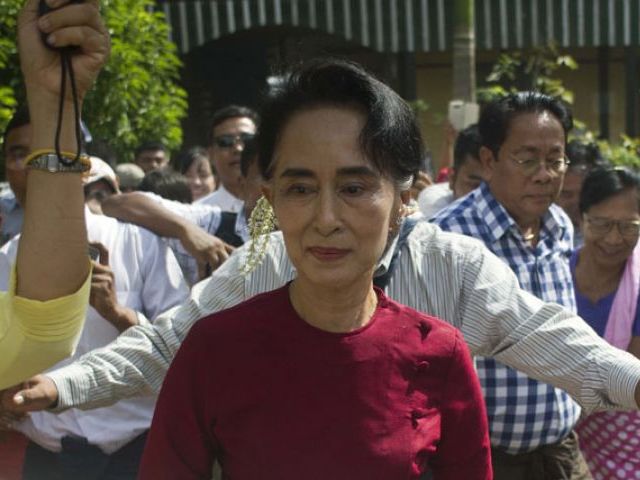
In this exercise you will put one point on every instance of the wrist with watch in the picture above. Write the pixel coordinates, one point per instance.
(49, 161)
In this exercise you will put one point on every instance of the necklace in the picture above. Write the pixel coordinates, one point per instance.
(528, 237)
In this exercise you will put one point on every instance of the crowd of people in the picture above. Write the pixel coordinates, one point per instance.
(295, 300)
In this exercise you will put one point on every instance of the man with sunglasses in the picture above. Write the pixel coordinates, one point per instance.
(231, 128)
(523, 138)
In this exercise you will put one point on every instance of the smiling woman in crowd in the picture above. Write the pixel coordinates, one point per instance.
(607, 283)
(326, 377)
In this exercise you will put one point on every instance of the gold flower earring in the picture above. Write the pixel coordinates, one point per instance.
(261, 223)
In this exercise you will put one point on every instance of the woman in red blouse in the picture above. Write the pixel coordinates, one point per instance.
(326, 378)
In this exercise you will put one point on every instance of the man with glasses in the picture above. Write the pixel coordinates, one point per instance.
(231, 128)
(523, 151)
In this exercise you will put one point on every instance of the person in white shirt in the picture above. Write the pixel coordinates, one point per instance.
(137, 272)
(466, 175)
(231, 128)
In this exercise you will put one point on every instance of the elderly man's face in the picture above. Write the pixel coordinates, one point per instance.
(535, 139)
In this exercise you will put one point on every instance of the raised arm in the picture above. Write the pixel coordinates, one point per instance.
(42, 314)
(52, 257)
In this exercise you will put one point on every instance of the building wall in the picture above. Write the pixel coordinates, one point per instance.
(434, 86)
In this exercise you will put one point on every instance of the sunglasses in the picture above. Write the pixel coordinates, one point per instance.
(229, 140)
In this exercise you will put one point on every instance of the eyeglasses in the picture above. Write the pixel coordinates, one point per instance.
(602, 226)
(531, 165)
(229, 140)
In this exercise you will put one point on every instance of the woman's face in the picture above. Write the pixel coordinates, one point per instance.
(609, 228)
(334, 208)
(200, 178)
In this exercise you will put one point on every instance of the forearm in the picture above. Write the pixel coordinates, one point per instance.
(52, 257)
(137, 361)
(133, 365)
(123, 318)
(543, 340)
(141, 210)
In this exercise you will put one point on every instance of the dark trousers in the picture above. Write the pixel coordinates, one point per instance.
(558, 461)
(79, 460)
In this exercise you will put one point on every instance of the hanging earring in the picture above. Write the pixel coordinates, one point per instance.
(261, 223)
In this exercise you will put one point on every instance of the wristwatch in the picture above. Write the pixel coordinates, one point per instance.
(51, 163)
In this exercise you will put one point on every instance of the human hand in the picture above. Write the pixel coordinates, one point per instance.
(209, 251)
(37, 393)
(422, 181)
(450, 133)
(103, 297)
(8, 418)
(78, 25)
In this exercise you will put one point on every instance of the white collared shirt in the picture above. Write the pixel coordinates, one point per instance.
(222, 198)
(148, 280)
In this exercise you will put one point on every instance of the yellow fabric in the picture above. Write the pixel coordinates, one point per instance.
(35, 335)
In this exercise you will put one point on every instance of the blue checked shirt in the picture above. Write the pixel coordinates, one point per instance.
(523, 413)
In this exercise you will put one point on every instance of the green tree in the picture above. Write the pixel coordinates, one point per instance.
(535, 70)
(137, 96)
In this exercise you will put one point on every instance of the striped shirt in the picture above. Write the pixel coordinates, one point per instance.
(442, 274)
(524, 414)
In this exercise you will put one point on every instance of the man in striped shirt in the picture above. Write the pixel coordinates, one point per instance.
(523, 152)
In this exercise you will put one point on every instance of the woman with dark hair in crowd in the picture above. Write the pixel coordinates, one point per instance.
(194, 164)
(326, 377)
(168, 184)
(607, 284)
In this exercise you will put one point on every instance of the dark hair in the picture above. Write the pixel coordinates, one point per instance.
(147, 146)
(248, 156)
(496, 116)
(19, 119)
(390, 138)
(168, 184)
(584, 156)
(603, 183)
(185, 158)
(467, 144)
(231, 111)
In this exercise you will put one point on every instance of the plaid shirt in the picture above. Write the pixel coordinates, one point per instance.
(523, 413)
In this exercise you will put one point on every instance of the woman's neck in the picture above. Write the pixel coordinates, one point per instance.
(594, 280)
(334, 309)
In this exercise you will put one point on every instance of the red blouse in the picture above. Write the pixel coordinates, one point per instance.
(272, 397)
